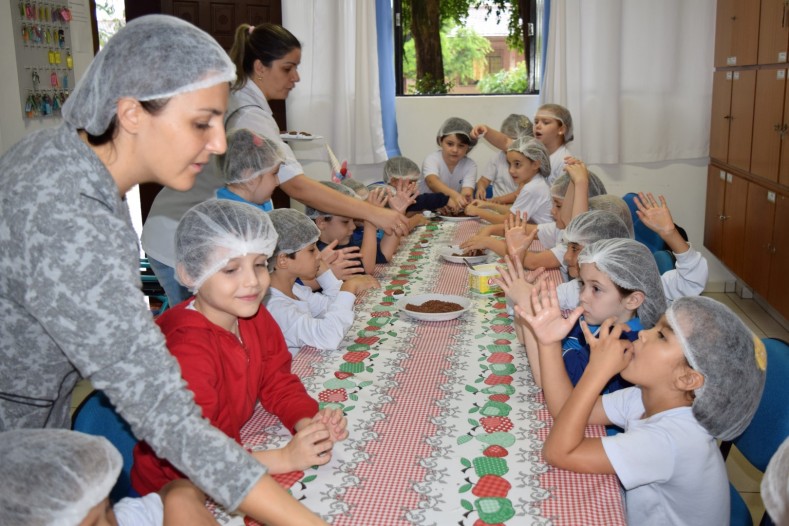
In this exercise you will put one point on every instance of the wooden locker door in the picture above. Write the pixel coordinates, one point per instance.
(713, 227)
(778, 295)
(759, 216)
(773, 32)
(768, 122)
(724, 27)
(734, 205)
(741, 121)
(721, 114)
(745, 32)
(783, 169)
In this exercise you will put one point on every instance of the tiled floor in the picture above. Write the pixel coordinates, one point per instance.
(743, 476)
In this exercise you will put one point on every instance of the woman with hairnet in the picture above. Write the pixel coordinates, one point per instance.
(449, 170)
(230, 349)
(497, 171)
(58, 476)
(698, 376)
(148, 109)
(266, 59)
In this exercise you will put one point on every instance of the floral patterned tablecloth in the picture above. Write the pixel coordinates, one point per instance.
(446, 424)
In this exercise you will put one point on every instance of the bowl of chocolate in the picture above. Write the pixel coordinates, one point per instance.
(455, 254)
(433, 307)
(448, 214)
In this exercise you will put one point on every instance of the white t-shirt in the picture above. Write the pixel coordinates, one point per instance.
(464, 174)
(549, 235)
(670, 466)
(557, 163)
(317, 319)
(534, 199)
(141, 511)
(498, 173)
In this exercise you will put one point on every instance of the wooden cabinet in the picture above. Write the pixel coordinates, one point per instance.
(769, 126)
(724, 227)
(732, 117)
(736, 32)
(778, 293)
(773, 31)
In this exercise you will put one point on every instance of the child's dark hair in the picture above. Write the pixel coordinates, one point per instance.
(264, 42)
(464, 139)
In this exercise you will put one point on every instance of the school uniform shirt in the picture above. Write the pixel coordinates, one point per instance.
(226, 193)
(497, 172)
(549, 235)
(670, 466)
(228, 377)
(72, 308)
(534, 199)
(358, 236)
(317, 319)
(429, 201)
(688, 278)
(557, 163)
(464, 174)
(139, 511)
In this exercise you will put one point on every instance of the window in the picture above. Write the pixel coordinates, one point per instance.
(481, 46)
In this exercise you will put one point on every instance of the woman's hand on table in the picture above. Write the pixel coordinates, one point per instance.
(547, 323)
(517, 238)
(357, 284)
(335, 422)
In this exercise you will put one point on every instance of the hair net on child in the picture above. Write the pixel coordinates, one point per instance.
(718, 345)
(515, 126)
(295, 230)
(594, 225)
(616, 205)
(561, 183)
(54, 476)
(632, 266)
(456, 126)
(533, 149)
(215, 231)
(561, 114)
(358, 187)
(775, 485)
(248, 156)
(151, 57)
(312, 213)
(401, 168)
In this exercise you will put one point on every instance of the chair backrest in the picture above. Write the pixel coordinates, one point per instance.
(97, 416)
(642, 232)
(770, 425)
(665, 260)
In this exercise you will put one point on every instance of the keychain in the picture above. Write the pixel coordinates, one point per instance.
(69, 61)
(25, 34)
(65, 81)
(36, 79)
(54, 81)
(29, 106)
(61, 39)
(51, 56)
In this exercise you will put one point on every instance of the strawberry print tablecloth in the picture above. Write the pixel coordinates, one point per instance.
(446, 424)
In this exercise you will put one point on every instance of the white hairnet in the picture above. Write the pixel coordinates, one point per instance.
(357, 186)
(718, 345)
(456, 126)
(561, 183)
(401, 168)
(151, 57)
(295, 230)
(312, 213)
(214, 232)
(533, 149)
(617, 206)
(775, 485)
(561, 114)
(54, 477)
(632, 266)
(248, 156)
(595, 225)
(514, 126)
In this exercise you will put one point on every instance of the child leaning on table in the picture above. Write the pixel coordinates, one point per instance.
(317, 319)
(63, 477)
(400, 171)
(231, 351)
(698, 376)
(505, 190)
(449, 170)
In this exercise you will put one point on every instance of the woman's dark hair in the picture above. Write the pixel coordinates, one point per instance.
(265, 42)
(153, 107)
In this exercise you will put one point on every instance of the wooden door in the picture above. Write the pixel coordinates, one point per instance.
(713, 227)
(773, 32)
(768, 123)
(741, 120)
(734, 206)
(745, 32)
(783, 169)
(721, 114)
(724, 27)
(778, 295)
(760, 213)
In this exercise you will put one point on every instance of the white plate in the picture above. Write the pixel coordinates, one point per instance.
(451, 218)
(447, 253)
(438, 316)
(298, 137)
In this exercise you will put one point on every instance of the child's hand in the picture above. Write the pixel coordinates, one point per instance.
(405, 197)
(346, 262)
(310, 446)
(467, 193)
(335, 422)
(654, 215)
(472, 209)
(477, 242)
(517, 239)
(357, 284)
(478, 131)
(460, 200)
(514, 283)
(378, 197)
(547, 323)
(608, 354)
(482, 194)
(576, 169)
(487, 230)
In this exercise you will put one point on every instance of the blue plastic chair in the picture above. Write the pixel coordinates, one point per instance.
(151, 286)
(642, 232)
(665, 260)
(97, 416)
(769, 427)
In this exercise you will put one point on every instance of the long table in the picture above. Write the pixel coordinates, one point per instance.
(446, 424)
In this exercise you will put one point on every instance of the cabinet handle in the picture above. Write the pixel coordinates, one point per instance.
(783, 17)
(728, 117)
(723, 217)
(772, 249)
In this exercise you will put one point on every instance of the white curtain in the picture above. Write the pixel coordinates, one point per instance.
(339, 95)
(636, 76)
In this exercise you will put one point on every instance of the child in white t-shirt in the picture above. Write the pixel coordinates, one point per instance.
(497, 173)
(449, 170)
